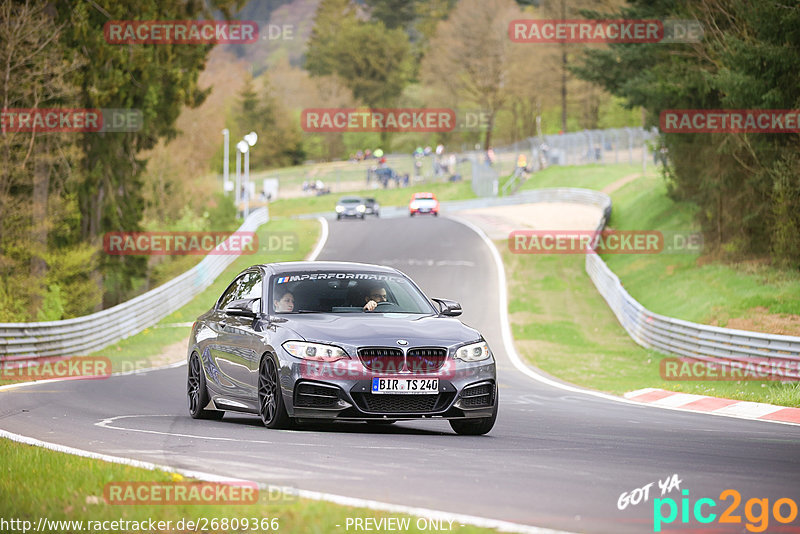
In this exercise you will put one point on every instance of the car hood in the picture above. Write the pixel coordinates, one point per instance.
(360, 329)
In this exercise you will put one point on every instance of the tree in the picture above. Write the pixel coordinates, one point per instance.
(36, 168)
(744, 184)
(333, 18)
(279, 139)
(470, 56)
(376, 70)
(158, 80)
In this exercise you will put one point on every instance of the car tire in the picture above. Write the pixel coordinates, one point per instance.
(411, 214)
(435, 213)
(271, 408)
(197, 391)
(338, 217)
(475, 427)
(363, 217)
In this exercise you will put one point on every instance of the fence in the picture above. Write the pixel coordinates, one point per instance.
(83, 335)
(618, 145)
(779, 355)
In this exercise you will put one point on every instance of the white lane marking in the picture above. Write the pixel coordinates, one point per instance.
(749, 409)
(110, 423)
(500, 525)
(678, 400)
(323, 238)
(508, 342)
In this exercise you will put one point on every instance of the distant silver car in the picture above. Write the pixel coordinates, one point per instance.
(351, 207)
(326, 341)
(373, 208)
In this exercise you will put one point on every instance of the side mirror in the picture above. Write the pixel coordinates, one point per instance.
(243, 308)
(449, 308)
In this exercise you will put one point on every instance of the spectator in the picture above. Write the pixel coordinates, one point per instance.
(522, 166)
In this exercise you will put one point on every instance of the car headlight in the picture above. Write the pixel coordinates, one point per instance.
(314, 351)
(361, 208)
(474, 352)
(339, 209)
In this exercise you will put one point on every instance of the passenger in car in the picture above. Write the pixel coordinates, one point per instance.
(284, 301)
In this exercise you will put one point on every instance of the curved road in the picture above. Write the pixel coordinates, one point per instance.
(555, 458)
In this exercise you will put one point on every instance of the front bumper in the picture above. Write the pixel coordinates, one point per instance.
(468, 392)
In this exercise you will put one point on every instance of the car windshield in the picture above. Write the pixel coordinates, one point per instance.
(350, 201)
(346, 292)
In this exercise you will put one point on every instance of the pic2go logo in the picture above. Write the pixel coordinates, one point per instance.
(757, 511)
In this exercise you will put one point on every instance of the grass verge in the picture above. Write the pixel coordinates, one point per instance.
(594, 176)
(690, 286)
(62, 487)
(563, 326)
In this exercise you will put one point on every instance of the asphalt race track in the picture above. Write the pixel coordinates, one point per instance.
(555, 458)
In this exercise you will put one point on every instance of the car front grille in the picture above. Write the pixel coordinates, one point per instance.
(425, 360)
(382, 359)
(410, 404)
(310, 395)
(478, 395)
(391, 359)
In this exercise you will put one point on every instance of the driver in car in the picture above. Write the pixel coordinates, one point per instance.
(375, 294)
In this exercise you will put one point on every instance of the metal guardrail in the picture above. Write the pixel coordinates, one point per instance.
(83, 335)
(776, 354)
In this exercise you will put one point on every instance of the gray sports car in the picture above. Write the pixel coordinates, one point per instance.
(302, 341)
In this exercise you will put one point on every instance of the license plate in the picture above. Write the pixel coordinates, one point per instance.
(406, 385)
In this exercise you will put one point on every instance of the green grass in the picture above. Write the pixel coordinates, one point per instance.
(686, 285)
(563, 326)
(386, 197)
(593, 176)
(42, 483)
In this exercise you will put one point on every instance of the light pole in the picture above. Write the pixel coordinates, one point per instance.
(241, 148)
(226, 136)
(250, 139)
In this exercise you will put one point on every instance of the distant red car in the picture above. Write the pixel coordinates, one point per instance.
(423, 203)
